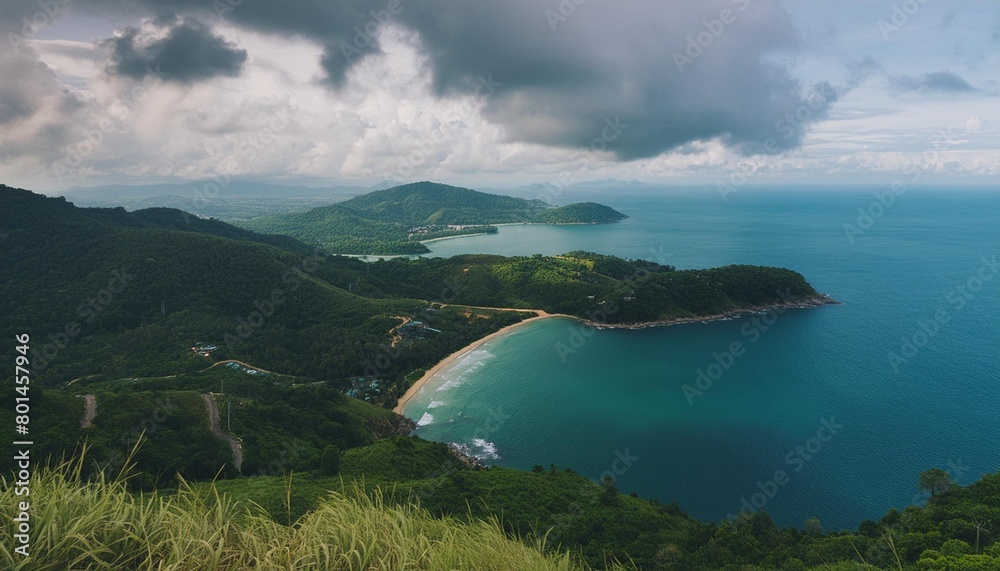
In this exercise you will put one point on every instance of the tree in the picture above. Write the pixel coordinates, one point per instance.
(935, 482)
(329, 461)
(814, 527)
(980, 518)
(610, 495)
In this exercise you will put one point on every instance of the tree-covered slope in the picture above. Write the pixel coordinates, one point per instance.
(598, 288)
(103, 297)
(579, 213)
(283, 423)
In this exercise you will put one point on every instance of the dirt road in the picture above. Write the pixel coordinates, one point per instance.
(90, 405)
(213, 419)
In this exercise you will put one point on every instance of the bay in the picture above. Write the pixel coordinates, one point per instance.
(815, 394)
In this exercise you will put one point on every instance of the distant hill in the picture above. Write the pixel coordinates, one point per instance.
(394, 220)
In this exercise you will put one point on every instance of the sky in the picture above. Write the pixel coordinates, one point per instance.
(487, 93)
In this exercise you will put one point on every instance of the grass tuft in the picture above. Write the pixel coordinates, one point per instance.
(99, 524)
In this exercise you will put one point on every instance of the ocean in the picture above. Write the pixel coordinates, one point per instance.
(829, 412)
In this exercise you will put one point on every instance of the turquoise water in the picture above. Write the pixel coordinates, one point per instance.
(813, 395)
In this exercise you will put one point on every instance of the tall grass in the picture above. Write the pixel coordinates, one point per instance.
(99, 524)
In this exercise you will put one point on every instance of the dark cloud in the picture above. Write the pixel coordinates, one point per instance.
(942, 82)
(185, 51)
(554, 72)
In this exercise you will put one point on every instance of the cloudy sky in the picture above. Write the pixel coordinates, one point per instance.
(481, 92)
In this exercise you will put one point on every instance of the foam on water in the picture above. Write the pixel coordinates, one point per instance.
(480, 449)
(467, 364)
(486, 450)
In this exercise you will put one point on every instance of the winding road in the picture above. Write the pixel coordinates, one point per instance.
(238, 363)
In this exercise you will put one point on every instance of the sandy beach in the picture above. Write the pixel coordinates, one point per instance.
(457, 354)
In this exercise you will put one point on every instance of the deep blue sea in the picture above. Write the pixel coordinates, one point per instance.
(814, 417)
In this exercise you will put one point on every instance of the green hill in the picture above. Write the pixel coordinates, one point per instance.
(394, 220)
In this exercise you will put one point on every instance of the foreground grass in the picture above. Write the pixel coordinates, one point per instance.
(101, 525)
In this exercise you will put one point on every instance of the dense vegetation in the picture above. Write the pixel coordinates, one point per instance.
(383, 222)
(115, 301)
(282, 422)
(602, 289)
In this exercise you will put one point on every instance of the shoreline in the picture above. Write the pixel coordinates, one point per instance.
(818, 301)
(453, 237)
(552, 223)
(428, 241)
(419, 383)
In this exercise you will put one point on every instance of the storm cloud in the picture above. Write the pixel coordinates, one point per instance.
(554, 73)
(183, 50)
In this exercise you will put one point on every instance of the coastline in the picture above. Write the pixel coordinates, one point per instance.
(419, 384)
(551, 223)
(817, 301)
(515, 224)
(452, 237)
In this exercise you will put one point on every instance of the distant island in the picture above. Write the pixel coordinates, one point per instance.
(396, 220)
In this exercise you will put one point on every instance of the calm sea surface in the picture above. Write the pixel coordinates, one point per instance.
(814, 417)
